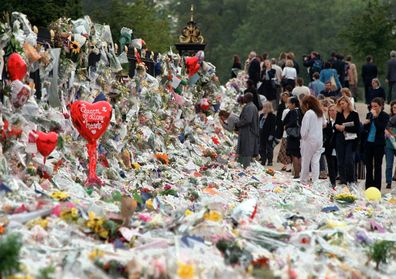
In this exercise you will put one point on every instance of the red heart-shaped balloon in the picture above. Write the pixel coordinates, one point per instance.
(16, 67)
(46, 142)
(192, 65)
(91, 120)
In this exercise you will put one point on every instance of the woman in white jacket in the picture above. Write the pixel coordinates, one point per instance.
(311, 138)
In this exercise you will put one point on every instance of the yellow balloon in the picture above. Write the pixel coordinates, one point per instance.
(373, 194)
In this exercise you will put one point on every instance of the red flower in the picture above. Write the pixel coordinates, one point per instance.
(57, 165)
(215, 140)
(103, 161)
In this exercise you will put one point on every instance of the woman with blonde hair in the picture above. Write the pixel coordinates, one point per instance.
(347, 125)
(289, 74)
(346, 92)
(267, 125)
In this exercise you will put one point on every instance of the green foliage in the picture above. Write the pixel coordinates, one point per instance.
(10, 247)
(380, 252)
(43, 12)
(372, 31)
(46, 272)
(146, 21)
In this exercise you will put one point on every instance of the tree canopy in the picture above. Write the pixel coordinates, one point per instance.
(238, 26)
(43, 12)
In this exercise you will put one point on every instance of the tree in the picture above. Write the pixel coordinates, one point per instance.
(43, 12)
(372, 31)
(146, 21)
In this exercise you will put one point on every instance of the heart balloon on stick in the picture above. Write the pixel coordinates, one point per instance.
(46, 143)
(91, 121)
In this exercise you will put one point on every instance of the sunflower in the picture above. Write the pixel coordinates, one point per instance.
(75, 47)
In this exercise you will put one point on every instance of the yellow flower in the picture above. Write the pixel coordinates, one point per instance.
(75, 47)
(96, 253)
(213, 216)
(136, 166)
(41, 222)
(188, 212)
(149, 204)
(74, 212)
(278, 189)
(185, 271)
(103, 233)
(60, 196)
(91, 220)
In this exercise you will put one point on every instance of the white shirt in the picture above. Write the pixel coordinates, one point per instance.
(289, 73)
(312, 129)
(284, 113)
(298, 90)
(353, 102)
(278, 72)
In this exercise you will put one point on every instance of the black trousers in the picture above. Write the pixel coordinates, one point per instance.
(366, 94)
(266, 153)
(390, 91)
(374, 155)
(346, 151)
(332, 168)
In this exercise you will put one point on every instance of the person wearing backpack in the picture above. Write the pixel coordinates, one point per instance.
(314, 63)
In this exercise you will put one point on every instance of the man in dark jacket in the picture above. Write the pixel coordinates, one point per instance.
(248, 138)
(254, 68)
(391, 76)
(369, 71)
(340, 67)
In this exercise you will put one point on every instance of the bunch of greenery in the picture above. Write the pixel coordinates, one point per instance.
(10, 247)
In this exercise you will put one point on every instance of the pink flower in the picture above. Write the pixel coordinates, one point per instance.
(145, 217)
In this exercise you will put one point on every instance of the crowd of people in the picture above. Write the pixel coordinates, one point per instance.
(317, 126)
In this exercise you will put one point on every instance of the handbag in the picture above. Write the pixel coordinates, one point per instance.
(294, 132)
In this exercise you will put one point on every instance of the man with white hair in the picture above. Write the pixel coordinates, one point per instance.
(391, 76)
(252, 67)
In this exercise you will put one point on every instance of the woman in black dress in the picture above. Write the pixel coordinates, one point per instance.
(292, 124)
(268, 87)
